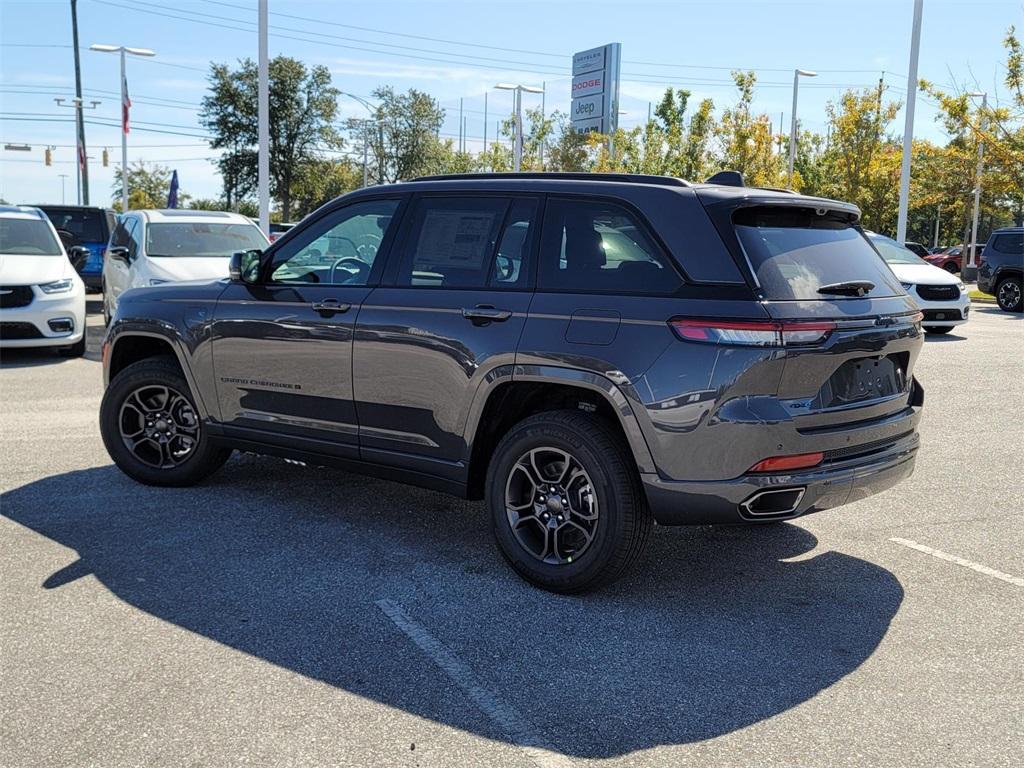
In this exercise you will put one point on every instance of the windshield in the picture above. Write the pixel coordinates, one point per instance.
(893, 252)
(85, 226)
(201, 239)
(796, 251)
(28, 237)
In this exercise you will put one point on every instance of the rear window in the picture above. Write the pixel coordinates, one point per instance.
(1011, 243)
(28, 237)
(796, 251)
(202, 239)
(84, 226)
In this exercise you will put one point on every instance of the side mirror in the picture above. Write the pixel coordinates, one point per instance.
(78, 255)
(244, 266)
(118, 252)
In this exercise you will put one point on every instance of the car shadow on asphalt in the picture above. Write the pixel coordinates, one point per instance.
(716, 629)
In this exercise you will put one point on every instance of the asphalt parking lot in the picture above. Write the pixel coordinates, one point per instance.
(279, 615)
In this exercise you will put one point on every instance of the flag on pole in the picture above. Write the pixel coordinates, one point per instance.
(126, 104)
(172, 196)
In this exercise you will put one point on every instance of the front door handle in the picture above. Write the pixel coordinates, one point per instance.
(329, 307)
(485, 313)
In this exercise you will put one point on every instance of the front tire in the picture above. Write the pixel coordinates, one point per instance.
(938, 329)
(951, 267)
(566, 506)
(151, 428)
(1008, 295)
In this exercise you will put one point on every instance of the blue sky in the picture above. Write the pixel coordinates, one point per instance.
(424, 45)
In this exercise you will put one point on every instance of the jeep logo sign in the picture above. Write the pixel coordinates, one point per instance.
(595, 89)
(587, 108)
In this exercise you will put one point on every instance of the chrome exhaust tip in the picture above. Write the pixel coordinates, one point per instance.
(773, 502)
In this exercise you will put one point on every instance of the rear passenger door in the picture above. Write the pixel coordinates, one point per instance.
(605, 289)
(458, 290)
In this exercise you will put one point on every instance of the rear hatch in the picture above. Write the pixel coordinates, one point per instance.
(856, 333)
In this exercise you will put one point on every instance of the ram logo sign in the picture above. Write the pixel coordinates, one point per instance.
(595, 89)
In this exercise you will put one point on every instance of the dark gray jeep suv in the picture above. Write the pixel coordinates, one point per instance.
(588, 353)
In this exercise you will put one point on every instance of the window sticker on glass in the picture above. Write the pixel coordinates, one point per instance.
(454, 239)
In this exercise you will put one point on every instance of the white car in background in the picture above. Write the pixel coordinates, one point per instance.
(941, 296)
(150, 247)
(42, 297)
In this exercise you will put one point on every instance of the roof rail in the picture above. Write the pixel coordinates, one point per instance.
(628, 178)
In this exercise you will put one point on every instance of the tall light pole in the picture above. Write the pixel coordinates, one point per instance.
(62, 177)
(970, 270)
(366, 133)
(517, 148)
(125, 103)
(797, 74)
(81, 167)
(908, 126)
(263, 121)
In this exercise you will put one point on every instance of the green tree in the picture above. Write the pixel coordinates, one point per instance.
(402, 136)
(745, 140)
(323, 180)
(303, 107)
(148, 186)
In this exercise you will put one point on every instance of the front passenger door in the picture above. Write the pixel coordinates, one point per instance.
(282, 349)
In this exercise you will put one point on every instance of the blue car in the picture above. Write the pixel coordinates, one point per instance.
(86, 226)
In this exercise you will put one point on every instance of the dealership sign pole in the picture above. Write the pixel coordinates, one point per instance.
(595, 90)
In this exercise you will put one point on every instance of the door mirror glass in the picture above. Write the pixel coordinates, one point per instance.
(118, 253)
(244, 266)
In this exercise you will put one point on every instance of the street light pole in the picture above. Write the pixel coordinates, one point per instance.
(263, 120)
(62, 177)
(797, 74)
(517, 108)
(908, 126)
(81, 167)
(123, 50)
(970, 270)
(367, 124)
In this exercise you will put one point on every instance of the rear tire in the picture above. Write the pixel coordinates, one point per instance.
(951, 267)
(75, 350)
(938, 329)
(606, 519)
(1009, 296)
(148, 405)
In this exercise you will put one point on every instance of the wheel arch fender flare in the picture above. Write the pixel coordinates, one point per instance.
(601, 385)
(124, 331)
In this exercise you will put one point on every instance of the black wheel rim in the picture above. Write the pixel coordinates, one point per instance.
(551, 505)
(159, 426)
(1009, 294)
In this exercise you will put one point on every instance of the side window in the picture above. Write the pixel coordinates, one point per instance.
(509, 268)
(339, 249)
(452, 243)
(595, 246)
(120, 234)
(134, 228)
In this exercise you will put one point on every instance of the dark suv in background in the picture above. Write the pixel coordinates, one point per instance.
(587, 352)
(1002, 266)
(88, 227)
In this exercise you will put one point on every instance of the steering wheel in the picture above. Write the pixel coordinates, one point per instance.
(362, 268)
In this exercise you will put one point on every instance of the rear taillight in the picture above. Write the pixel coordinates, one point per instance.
(757, 333)
(787, 463)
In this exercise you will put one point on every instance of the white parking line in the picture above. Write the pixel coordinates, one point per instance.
(512, 724)
(1015, 580)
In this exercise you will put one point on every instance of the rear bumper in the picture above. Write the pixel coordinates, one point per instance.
(824, 487)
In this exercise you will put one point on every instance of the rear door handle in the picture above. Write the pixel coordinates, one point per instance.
(483, 313)
(329, 307)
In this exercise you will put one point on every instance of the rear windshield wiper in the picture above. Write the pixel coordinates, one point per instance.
(848, 288)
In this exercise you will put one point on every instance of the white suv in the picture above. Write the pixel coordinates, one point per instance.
(42, 297)
(150, 247)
